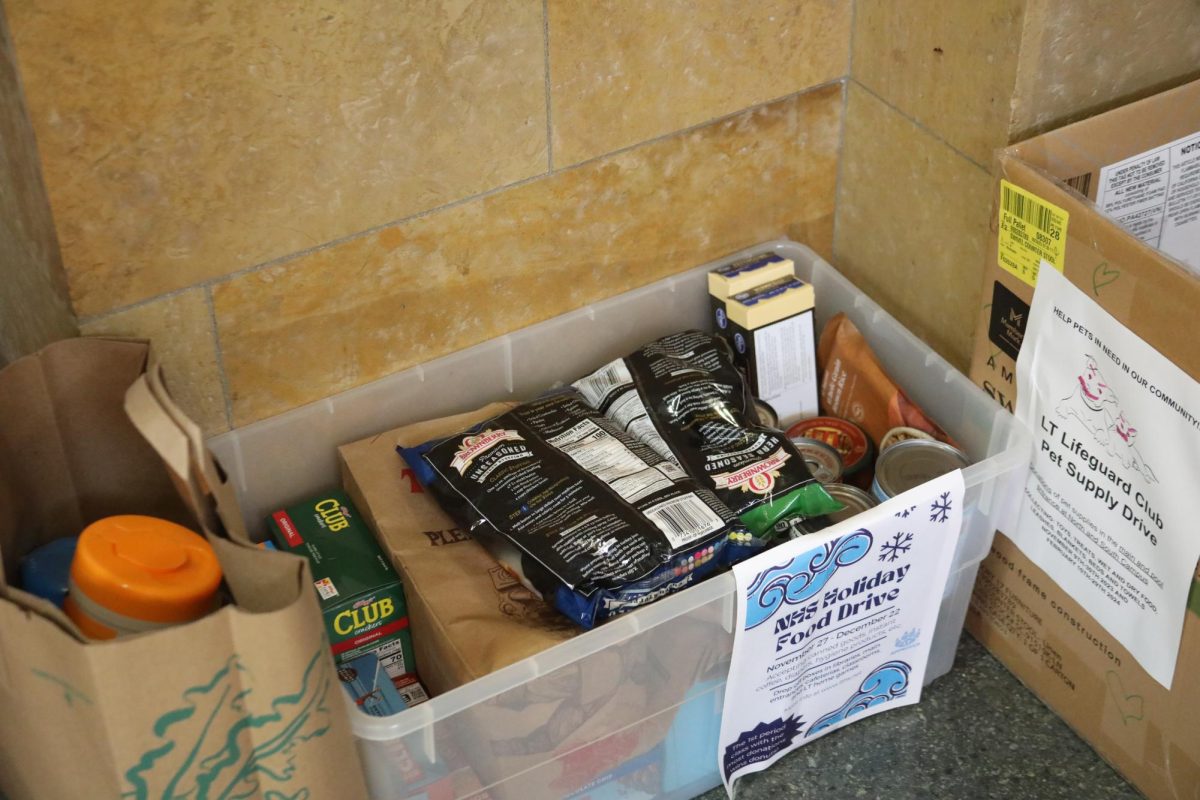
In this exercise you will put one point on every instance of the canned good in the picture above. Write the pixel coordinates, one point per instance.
(766, 415)
(802, 526)
(822, 460)
(913, 462)
(132, 573)
(850, 441)
(854, 499)
(902, 434)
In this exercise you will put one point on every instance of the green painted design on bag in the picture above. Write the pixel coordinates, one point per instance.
(70, 693)
(207, 752)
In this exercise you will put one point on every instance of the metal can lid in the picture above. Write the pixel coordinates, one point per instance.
(876, 491)
(803, 526)
(913, 462)
(766, 415)
(902, 434)
(822, 460)
(854, 499)
(851, 441)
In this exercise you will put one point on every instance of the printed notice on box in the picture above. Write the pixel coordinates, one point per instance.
(1156, 196)
(1110, 507)
(836, 626)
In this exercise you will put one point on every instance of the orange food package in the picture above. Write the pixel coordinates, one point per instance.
(855, 386)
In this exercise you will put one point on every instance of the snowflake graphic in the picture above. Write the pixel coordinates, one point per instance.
(940, 510)
(900, 543)
(903, 514)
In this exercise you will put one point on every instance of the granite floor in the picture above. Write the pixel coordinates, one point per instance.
(977, 733)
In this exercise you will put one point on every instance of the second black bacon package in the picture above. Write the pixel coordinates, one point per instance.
(588, 516)
(683, 397)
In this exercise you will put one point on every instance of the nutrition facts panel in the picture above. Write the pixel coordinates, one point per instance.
(1155, 195)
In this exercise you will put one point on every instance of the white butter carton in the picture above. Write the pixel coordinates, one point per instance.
(770, 328)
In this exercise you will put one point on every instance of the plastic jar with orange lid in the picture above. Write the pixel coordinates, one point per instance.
(133, 573)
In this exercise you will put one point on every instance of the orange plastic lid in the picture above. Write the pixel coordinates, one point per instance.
(146, 568)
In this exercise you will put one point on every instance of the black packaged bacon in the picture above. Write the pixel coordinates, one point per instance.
(591, 518)
(682, 396)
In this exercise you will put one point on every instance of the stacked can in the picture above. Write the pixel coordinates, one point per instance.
(851, 443)
(910, 463)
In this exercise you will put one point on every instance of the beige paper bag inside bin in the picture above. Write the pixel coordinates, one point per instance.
(556, 733)
(243, 703)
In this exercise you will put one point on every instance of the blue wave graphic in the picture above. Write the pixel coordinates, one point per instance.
(803, 576)
(886, 683)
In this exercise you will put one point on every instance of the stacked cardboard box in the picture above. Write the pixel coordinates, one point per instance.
(1045, 214)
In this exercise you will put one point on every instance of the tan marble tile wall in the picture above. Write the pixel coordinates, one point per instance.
(624, 71)
(938, 86)
(345, 315)
(34, 309)
(984, 74)
(181, 329)
(948, 64)
(335, 177)
(1082, 57)
(930, 100)
(185, 140)
(912, 224)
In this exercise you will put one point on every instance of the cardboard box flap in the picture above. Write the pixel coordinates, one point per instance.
(1145, 289)
(1086, 146)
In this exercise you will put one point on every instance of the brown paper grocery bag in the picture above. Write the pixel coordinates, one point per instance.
(469, 616)
(242, 703)
(552, 735)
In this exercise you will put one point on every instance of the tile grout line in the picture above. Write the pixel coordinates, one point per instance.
(920, 125)
(225, 393)
(308, 251)
(280, 260)
(549, 107)
(713, 121)
(841, 151)
(841, 166)
(91, 318)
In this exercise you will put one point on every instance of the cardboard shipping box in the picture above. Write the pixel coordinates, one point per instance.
(1045, 212)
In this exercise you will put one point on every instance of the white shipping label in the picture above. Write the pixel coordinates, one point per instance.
(1155, 195)
(1110, 507)
(836, 626)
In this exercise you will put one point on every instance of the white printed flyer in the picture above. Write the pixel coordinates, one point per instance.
(1111, 506)
(836, 626)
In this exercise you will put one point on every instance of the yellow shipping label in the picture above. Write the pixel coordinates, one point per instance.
(1031, 231)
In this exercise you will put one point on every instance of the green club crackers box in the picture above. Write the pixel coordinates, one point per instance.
(361, 597)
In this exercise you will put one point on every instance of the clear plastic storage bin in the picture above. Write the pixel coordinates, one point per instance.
(545, 727)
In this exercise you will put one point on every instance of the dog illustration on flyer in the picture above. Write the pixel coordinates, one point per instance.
(1095, 405)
